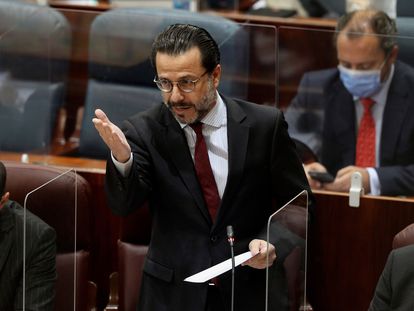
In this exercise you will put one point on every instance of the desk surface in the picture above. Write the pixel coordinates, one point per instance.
(236, 16)
(79, 164)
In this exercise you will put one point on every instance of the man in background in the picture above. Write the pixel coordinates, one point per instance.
(40, 251)
(358, 117)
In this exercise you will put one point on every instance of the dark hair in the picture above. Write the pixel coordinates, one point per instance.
(366, 22)
(179, 38)
(3, 175)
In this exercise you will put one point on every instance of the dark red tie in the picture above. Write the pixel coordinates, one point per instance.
(204, 172)
(365, 150)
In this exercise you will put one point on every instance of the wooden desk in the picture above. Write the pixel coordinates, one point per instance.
(348, 248)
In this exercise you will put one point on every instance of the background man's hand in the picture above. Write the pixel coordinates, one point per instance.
(342, 181)
(113, 137)
(315, 166)
(259, 249)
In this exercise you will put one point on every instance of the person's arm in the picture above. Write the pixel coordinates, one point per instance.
(40, 273)
(289, 179)
(396, 180)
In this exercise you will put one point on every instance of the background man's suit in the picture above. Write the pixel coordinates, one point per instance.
(40, 260)
(324, 111)
(395, 287)
(263, 167)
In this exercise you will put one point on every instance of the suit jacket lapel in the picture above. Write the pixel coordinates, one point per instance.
(238, 136)
(394, 113)
(177, 146)
(6, 225)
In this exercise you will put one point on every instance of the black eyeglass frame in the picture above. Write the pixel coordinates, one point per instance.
(172, 83)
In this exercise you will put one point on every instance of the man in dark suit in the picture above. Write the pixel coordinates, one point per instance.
(157, 157)
(327, 114)
(396, 285)
(40, 250)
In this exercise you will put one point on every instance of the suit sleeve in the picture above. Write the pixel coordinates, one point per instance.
(125, 194)
(382, 296)
(40, 271)
(305, 115)
(289, 180)
(396, 180)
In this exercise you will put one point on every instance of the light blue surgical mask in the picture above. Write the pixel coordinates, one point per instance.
(361, 83)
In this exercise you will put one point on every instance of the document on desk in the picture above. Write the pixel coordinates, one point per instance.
(218, 269)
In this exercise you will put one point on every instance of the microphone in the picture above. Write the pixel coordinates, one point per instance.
(230, 239)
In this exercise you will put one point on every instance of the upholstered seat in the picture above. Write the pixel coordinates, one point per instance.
(120, 72)
(64, 204)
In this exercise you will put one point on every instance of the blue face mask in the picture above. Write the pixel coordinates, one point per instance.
(361, 83)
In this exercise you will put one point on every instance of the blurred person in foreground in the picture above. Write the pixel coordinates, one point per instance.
(40, 250)
(395, 287)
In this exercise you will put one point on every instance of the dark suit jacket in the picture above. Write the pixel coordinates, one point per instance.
(395, 287)
(40, 260)
(324, 110)
(263, 167)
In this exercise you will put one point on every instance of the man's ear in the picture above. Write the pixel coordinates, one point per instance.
(4, 199)
(217, 75)
(394, 54)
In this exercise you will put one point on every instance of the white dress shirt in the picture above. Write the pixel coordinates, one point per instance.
(215, 135)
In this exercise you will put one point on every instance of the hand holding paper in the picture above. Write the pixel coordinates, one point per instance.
(218, 269)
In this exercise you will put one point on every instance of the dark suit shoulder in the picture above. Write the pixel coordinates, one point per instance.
(33, 222)
(320, 77)
(261, 112)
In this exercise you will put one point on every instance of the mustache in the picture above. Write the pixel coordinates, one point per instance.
(179, 105)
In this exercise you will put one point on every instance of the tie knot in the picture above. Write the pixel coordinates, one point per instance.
(197, 127)
(367, 103)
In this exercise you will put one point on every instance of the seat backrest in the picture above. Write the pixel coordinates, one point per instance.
(120, 72)
(405, 8)
(131, 262)
(404, 237)
(405, 40)
(135, 233)
(35, 45)
(55, 204)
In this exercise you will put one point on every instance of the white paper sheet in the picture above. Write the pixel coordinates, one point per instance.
(218, 269)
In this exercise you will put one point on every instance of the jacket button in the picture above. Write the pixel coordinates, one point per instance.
(213, 238)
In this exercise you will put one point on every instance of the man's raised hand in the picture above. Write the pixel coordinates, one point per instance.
(113, 137)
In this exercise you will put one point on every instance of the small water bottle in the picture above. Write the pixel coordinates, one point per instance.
(181, 4)
(189, 5)
(388, 6)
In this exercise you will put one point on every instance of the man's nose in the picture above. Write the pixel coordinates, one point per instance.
(176, 94)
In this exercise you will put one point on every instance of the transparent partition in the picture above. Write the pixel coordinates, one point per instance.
(287, 230)
(34, 52)
(57, 66)
(322, 101)
(55, 236)
(118, 77)
(324, 114)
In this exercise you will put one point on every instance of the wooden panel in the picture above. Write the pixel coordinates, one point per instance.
(348, 248)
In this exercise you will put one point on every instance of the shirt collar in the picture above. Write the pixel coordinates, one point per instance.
(381, 96)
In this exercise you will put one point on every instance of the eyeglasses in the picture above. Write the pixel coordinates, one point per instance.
(185, 85)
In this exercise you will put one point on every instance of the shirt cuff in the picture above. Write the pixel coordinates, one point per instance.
(374, 181)
(123, 168)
